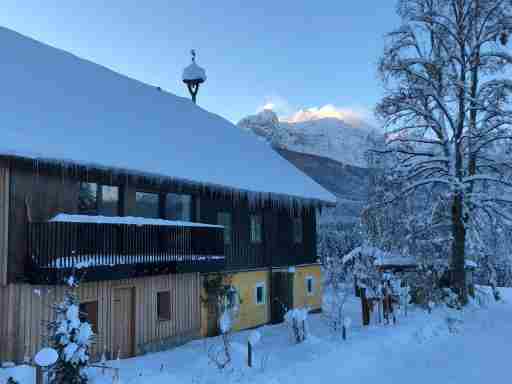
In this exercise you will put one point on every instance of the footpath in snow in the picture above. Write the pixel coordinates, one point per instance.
(420, 349)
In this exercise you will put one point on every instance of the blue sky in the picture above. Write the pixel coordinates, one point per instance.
(293, 54)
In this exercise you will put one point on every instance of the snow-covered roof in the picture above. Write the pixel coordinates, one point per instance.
(66, 218)
(382, 258)
(57, 107)
(194, 72)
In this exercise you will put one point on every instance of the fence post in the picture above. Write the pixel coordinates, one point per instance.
(249, 354)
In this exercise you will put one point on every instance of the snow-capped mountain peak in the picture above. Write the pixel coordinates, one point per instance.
(316, 131)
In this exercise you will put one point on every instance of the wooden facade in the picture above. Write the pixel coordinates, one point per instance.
(4, 223)
(125, 308)
(38, 194)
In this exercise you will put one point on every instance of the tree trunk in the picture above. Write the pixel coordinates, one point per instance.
(458, 275)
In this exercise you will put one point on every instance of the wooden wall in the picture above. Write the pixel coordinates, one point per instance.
(4, 223)
(40, 196)
(27, 308)
(277, 248)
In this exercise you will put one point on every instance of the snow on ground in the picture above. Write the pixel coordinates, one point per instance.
(420, 349)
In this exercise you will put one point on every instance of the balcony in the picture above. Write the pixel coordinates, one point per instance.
(96, 248)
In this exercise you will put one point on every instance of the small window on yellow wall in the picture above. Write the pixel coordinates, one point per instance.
(163, 305)
(310, 285)
(259, 294)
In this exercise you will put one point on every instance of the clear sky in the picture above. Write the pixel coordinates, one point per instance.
(294, 54)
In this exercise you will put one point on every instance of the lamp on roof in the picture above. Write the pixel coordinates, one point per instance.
(194, 76)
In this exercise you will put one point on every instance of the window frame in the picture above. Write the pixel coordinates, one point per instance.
(256, 228)
(263, 287)
(159, 203)
(158, 306)
(166, 198)
(99, 200)
(309, 279)
(81, 311)
(228, 230)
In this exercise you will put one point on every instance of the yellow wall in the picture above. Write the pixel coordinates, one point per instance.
(300, 296)
(251, 314)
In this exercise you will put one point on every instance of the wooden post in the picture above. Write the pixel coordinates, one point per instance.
(249, 354)
(39, 375)
(344, 332)
(365, 307)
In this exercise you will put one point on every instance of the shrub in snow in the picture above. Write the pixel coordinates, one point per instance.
(296, 321)
(12, 380)
(220, 356)
(70, 338)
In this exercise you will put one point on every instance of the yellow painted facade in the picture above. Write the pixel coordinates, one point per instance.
(301, 297)
(253, 314)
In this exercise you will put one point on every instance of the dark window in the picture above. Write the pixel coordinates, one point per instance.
(255, 229)
(297, 230)
(88, 199)
(309, 285)
(147, 205)
(163, 305)
(94, 199)
(224, 219)
(231, 299)
(260, 293)
(178, 207)
(89, 313)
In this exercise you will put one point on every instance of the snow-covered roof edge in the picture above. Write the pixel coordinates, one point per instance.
(76, 168)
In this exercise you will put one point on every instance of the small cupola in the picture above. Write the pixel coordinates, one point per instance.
(194, 76)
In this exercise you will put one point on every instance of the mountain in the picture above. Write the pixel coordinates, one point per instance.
(345, 141)
(329, 149)
(347, 182)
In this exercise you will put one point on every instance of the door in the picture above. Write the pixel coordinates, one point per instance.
(124, 322)
(281, 295)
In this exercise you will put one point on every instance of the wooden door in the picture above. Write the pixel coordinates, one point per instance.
(281, 295)
(124, 322)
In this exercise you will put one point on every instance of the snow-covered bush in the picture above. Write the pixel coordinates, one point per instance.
(296, 320)
(220, 356)
(71, 338)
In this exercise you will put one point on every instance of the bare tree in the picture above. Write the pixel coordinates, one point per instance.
(446, 111)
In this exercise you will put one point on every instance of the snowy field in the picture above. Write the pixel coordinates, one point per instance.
(419, 349)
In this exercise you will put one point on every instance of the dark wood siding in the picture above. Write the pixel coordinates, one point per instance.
(39, 196)
(46, 192)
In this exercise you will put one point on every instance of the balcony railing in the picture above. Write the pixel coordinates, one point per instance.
(117, 251)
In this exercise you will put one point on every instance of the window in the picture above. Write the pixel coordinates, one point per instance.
(297, 230)
(89, 313)
(255, 229)
(231, 300)
(110, 201)
(224, 219)
(178, 207)
(88, 199)
(95, 199)
(147, 205)
(260, 294)
(310, 285)
(163, 305)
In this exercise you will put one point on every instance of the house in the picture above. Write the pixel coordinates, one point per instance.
(146, 196)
